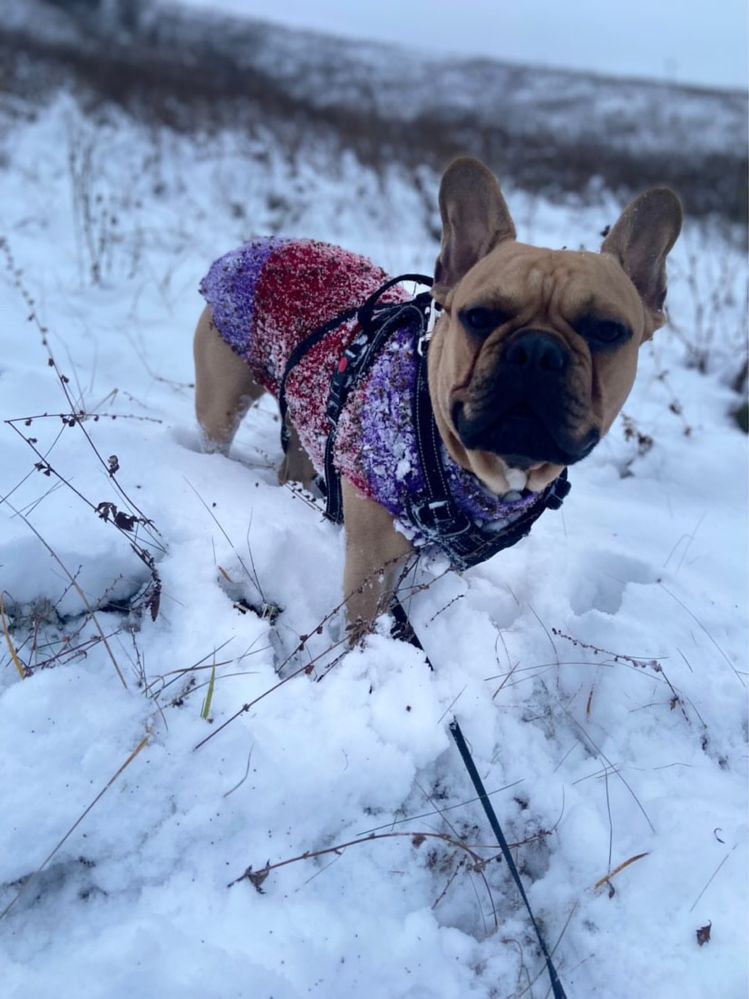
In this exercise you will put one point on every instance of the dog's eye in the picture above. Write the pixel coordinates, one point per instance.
(482, 321)
(603, 332)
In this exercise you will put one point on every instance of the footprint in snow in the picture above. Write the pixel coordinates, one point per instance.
(602, 578)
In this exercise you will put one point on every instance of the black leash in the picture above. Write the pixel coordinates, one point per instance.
(455, 731)
(405, 631)
(434, 511)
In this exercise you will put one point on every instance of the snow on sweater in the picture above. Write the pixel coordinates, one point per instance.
(269, 295)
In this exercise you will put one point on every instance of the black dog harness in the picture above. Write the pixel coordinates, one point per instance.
(433, 511)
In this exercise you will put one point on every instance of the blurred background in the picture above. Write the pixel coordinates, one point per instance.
(677, 41)
(558, 99)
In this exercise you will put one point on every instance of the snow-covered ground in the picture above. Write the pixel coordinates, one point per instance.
(599, 669)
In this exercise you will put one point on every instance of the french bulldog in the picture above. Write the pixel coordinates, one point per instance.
(531, 359)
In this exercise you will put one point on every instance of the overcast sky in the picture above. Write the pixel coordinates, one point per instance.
(688, 41)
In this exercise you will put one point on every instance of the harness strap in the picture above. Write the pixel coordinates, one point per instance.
(375, 322)
(295, 357)
(376, 327)
(434, 511)
(406, 632)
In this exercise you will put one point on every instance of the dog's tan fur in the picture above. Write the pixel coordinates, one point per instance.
(481, 265)
(224, 386)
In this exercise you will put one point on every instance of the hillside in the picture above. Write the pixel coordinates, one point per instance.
(547, 131)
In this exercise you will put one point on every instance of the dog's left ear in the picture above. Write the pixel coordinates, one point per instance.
(641, 241)
(475, 218)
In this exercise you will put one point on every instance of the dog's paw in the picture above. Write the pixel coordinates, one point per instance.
(193, 439)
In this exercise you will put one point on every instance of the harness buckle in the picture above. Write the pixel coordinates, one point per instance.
(345, 375)
(437, 519)
(559, 488)
(423, 342)
(429, 309)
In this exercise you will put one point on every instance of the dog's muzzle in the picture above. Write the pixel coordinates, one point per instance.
(524, 415)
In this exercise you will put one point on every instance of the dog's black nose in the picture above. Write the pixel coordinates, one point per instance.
(537, 351)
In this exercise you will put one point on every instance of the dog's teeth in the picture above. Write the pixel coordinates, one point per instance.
(516, 479)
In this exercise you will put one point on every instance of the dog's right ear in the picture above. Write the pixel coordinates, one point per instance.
(475, 218)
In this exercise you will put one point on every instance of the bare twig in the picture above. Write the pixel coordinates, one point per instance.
(22, 671)
(697, 621)
(606, 879)
(78, 590)
(712, 877)
(417, 838)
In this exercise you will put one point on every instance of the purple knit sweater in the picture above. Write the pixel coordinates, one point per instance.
(266, 297)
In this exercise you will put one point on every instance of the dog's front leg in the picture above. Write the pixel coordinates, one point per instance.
(296, 465)
(375, 551)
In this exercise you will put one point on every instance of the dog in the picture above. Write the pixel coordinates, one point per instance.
(531, 359)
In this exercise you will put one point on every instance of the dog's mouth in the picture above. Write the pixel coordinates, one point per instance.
(521, 436)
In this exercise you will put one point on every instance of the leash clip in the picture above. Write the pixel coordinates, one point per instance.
(430, 314)
(423, 342)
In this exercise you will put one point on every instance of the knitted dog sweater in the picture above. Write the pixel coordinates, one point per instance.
(269, 295)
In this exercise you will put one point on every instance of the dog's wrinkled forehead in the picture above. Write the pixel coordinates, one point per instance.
(478, 233)
(528, 283)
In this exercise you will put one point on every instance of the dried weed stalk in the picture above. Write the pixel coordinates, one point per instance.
(124, 515)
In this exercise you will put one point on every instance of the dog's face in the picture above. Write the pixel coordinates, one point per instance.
(537, 349)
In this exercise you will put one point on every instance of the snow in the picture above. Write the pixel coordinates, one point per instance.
(598, 669)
